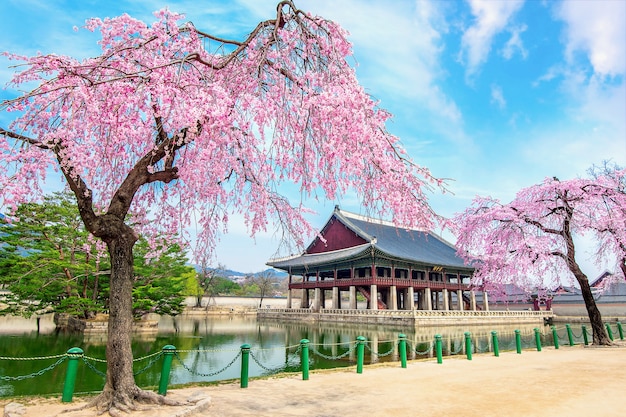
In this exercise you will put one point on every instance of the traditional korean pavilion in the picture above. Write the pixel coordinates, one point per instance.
(393, 268)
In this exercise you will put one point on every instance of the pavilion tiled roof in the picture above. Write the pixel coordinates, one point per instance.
(416, 246)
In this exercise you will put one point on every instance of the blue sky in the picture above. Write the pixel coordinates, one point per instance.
(494, 95)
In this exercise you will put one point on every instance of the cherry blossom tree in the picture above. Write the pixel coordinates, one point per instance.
(170, 125)
(530, 242)
(608, 219)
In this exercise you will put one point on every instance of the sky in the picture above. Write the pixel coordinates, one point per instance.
(492, 95)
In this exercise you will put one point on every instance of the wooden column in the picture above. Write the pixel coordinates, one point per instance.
(473, 300)
(353, 304)
(289, 292)
(336, 298)
(373, 297)
(428, 298)
(446, 300)
(393, 298)
(304, 301)
(317, 301)
(485, 301)
(409, 303)
(459, 295)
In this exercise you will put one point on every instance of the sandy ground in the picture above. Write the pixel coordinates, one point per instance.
(570, 381)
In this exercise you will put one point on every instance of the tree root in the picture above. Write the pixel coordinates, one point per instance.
(117, 403)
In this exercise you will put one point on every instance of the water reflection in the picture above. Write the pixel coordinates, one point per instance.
(208, 348)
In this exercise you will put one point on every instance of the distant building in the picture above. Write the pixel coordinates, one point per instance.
(393, 268)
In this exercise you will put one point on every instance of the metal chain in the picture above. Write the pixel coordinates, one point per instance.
(96, 359)
(34, 374)
(9, 358)
(330, 357)
(380, 355)
(93, 368)
(157, 353)
(461, 346)
(207, 374)
(152, 361)
(427, 351)
(290, 362)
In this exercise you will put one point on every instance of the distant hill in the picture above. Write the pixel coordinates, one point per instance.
(232, 273)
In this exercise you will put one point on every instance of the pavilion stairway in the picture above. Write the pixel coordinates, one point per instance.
(366, 294)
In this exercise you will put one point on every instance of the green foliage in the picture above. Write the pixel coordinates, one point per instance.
(223, 286)
(48, 262)
(159, 282)
(46, 257)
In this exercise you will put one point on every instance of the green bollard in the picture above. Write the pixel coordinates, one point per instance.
(496, 346)
(245, 363)
(538, 339)
(585, 337)
(555, 337)
(609, 331)
(438, 348)
(518, 341)
(468, 345)
(402, 343)
(570, 337)
(620, 330)
(74, 354)
(360, 351)
(304, 358)
(168, 355)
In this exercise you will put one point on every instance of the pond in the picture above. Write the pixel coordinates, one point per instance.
(208, 349)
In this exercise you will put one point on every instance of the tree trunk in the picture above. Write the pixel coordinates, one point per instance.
(120, 393)
(120, 379)
(600, 337)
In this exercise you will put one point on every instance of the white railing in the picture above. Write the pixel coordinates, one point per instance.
(406, 313)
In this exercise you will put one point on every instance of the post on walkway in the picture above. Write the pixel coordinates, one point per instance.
(168, 355)
(555, 337)
(585, 336)
(570, 336)
(496, 346)
(468, 345)
(609, 331)
(245, 363)
(438, 348)
(402, 343)
(304, 358)
(74, 354)
(537, 339)
(360, 353)
(620, 330)
(518, 342)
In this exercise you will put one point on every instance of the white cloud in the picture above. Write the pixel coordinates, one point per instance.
(515, 44)
(497, 97)
(491, 18)
(597, 29)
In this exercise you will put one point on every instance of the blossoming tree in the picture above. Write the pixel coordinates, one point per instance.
(170, 124)
(530, 241)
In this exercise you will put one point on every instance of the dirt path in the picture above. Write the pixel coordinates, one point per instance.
(570, 381)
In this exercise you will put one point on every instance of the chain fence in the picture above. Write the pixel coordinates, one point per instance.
(294, 353)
